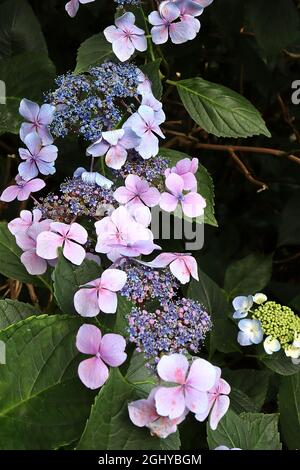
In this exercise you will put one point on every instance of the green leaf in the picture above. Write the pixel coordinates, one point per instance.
(43, 404)
(109, 426)
(247, 431)
(248, 275)
(67, 278)
(289, 407)
(27, 75)
(207, 292)
(219, 110)
(20, 30)
(254, 383)
(279, 363)
(240, 402)
(13, 311)
(152, 70)
(205, 185)
(93, 51)
(10, 264)
(141, 377)
(275, 24)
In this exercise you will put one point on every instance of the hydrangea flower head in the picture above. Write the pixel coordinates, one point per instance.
(68, 237)
(250, 332)
(182, 266)
(22, 189)
(105, 350)
(114, 145)
(100, 294)
(39, 119)
(126, 37)
(242, 305)
(192, 386)
(38, 159)
(192, 204)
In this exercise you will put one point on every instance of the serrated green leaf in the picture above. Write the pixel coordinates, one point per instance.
(219, 110)
(205, 185)
(109, 426)
(93, 51)
(208, 293)
(289, 407)
(139, 375)
(13, 311)
(280, 364)
(248, 275)
(43, 404)
(247, 431)
(254, 383)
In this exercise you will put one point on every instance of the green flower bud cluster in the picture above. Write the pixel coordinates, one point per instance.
(278, 321)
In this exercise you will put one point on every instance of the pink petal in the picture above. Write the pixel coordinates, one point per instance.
(179, 33)
(107, 301)
(93, 373)
(142, 412)
(116, 157)
(35, 185)
(195, 400)
(220, 408)
(78, 233)
(192, 27)
(192, 266)
(151, 197)
(74, 252)
(160, 34)
(139, 43)
(190, 182)
(168, 202)
(202, 375)
(179, 269)
(163, 260)
(47, 244)
(155, 19)
(10, 193)
(86, 302)
(48, 153)
(113, 137)
(123, 195)
(29, 110)
(72, 7)
(33, 263)
(193, 205)
(88, 339)
(125, 21)
(170, 402)
(113, 34)
(169, 11)
(45, 135)
(175, 184)
(173, 368)
(46, 114)
(98, 148)
(123, 48)
(130, 139)
(33, 143)
(149, 145)
(112, 349)
(113, 279)
(224, 387)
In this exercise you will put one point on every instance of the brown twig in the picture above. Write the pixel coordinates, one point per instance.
(287, 117)
(263, 186)
(246, 149)
(33, 297)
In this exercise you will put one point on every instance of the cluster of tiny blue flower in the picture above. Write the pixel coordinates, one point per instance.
(92, 102)
(177, 327)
